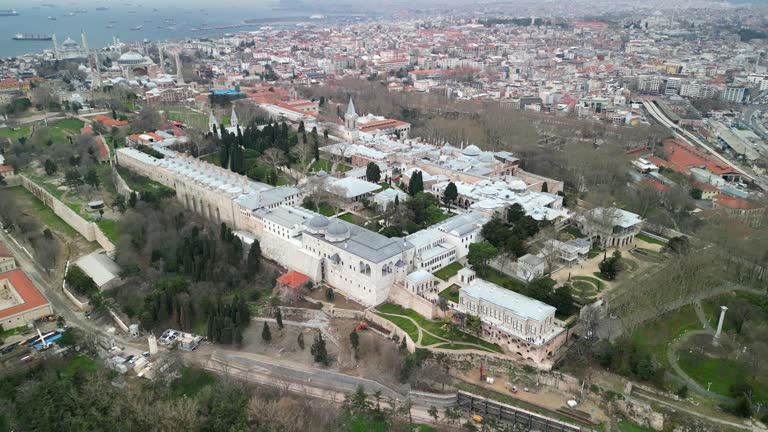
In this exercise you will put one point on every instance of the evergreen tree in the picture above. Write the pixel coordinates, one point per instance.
(372, 172)
(265, 333)
(416, 184)
(279, 318)
(300, 341)
(92, 178)
(544, 187)
(215, 132)
(114, 114)
(354, 340)
(315, 143)
(397, 200)
(132, 200)
(301, 127)
(450, 194)
(254, 259)
(318, 349)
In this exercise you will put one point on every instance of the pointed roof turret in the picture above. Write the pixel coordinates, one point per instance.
(233, 118)
(351, 108)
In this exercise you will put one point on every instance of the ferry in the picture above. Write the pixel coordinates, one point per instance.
(29, 37)
(8, 12)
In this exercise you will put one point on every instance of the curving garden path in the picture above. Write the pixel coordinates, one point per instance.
(423, 331)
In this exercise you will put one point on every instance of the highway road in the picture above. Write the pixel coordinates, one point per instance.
(691, 139)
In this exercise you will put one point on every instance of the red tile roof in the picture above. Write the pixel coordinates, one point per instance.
(730, 202)
(681, 157)
(293, 279)
(32, 297)
(5, 168)
(109, 121)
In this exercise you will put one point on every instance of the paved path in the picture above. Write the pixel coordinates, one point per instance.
(422, 331)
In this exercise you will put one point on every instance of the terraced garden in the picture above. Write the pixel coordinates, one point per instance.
(433, 333)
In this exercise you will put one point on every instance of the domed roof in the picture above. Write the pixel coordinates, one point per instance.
(488, 190)
(486, 157)
(318, 222)
(471, 150)
(337, 231)
(131, 57)
(322, 173)
(69, 43)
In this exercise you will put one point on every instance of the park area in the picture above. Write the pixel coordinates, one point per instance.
(78, 198)
(435, 334)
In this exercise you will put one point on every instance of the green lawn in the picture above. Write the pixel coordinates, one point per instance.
(583, 292)
(327, 211)
(16, 133)
(78, 364)
(189, 118)
(625, 426)
(405, 325)
(446, 293)
(110, 229)
(352, 218)
(71, 124)
(448, 271)
(602, 276)
(494, 276)
(721, 373)
(575, 232)
(213, 158)
(326, 165)
(649, 239)
(594, 281)
(437, 328)
(43, 213)
(427, 339)
(12, 332)
(141, 184)
(654, 335)
(191, 382)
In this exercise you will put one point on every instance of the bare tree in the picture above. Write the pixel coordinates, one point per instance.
(274, 157)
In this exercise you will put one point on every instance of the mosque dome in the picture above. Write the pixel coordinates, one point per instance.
(69, 43)
(471, 150)
(337, 231)
(131, 57)
(318, 223)
(486, 157)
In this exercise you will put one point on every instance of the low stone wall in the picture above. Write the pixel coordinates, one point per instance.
(120, 184)
(406, 299)
(87, 229)
(83, 306)
(118, 321)
(392, 328)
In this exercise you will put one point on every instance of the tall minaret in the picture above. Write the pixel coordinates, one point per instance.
(233, 118)
(179, 75)
(97, 78)
(162, 61)
(85, 43)
(55, 46)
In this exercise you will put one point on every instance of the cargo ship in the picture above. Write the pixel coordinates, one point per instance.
(8, 12)
(28, 37)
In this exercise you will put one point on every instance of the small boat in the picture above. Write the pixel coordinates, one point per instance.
(110, 26)
(51, 18)
(137, 28)
(102, 8)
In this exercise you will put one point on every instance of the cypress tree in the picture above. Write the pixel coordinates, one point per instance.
(238, 337)
(265, 333)
(318, 349)
(279, 318)
(316, 143)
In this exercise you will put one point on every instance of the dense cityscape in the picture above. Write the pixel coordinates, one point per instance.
(497, 216)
